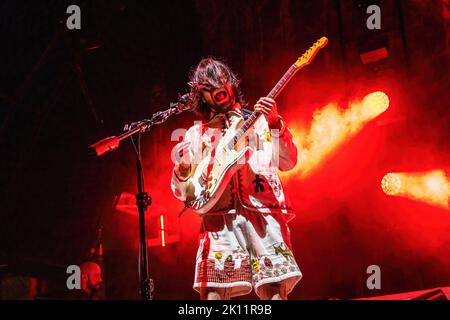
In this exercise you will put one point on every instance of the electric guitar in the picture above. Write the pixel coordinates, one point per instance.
(212, 174)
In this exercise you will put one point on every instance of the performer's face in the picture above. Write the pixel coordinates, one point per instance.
(219, 99)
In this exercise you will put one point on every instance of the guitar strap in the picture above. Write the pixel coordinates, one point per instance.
(245, 114)
(210, 164)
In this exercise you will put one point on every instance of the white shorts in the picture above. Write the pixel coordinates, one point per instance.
(245, 250)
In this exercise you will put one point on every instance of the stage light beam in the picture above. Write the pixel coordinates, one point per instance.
(431, 187)
(374, 104)
(330, 128)
(391, 184)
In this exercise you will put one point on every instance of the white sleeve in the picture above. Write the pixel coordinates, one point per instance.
(287, 151)
(180, 181)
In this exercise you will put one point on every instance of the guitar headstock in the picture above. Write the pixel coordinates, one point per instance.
(309, 55)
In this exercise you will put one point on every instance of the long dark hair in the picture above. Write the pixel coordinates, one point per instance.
(212, 72)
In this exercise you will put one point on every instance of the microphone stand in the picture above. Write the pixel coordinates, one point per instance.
(143, 200)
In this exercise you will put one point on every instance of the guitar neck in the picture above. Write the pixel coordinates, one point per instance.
(272, 94)
(283, 81)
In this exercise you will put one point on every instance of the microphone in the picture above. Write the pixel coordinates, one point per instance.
(185, 102)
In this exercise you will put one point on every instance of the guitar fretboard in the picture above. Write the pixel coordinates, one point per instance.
(272, 94)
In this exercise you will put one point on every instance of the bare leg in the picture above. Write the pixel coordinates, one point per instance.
(272, 291)
(213, 294)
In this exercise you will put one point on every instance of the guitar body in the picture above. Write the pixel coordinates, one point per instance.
(213, 174)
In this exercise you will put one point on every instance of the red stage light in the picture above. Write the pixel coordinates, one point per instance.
(330, 128)
(169, 228)
(374, 55)
(432, 187)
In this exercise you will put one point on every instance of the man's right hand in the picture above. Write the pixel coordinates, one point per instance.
(182, 160)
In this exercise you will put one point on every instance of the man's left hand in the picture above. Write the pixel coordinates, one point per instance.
(268, 107)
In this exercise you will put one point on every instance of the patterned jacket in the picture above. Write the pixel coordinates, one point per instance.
(256, 186)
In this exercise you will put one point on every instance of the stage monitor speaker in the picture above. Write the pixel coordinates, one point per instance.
(442, 293)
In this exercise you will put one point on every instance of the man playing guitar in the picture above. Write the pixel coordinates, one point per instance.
(245, 240)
